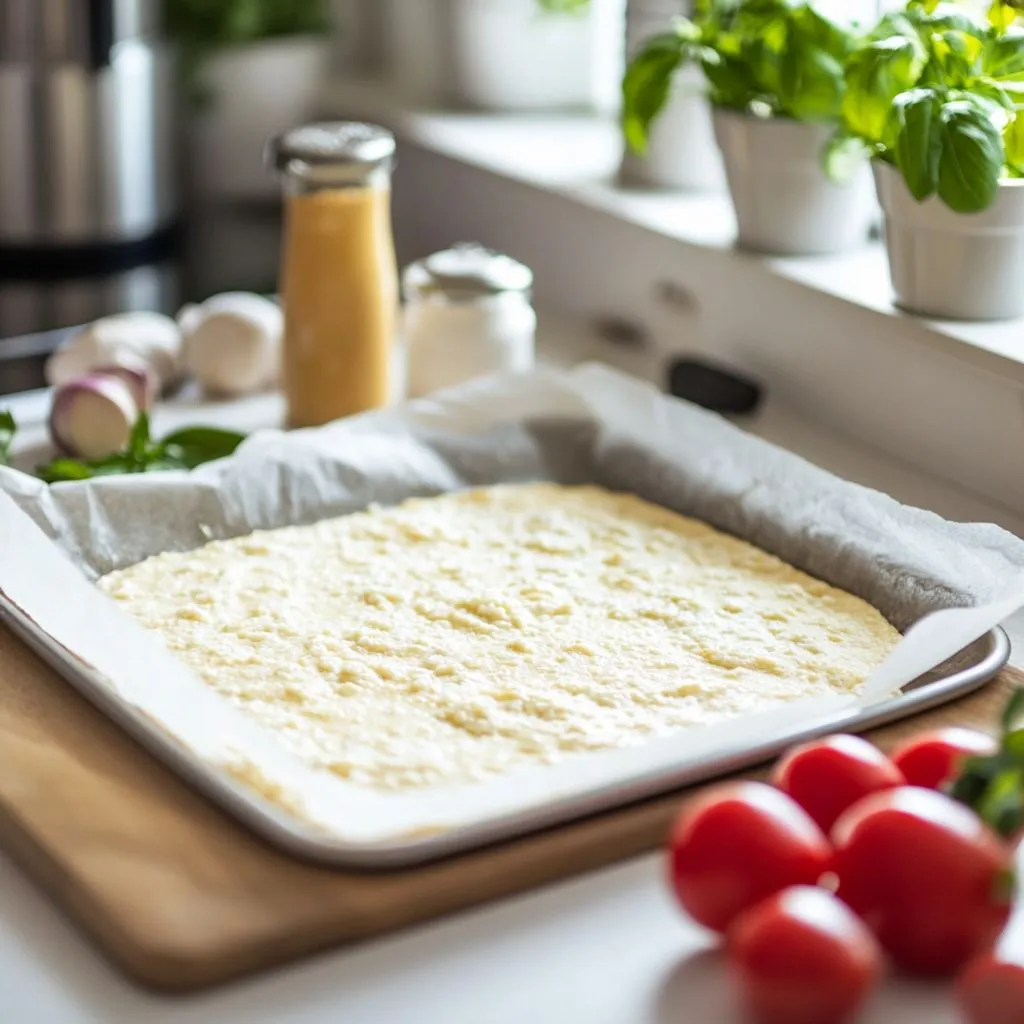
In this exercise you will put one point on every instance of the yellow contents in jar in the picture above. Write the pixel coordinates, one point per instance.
(339, 289)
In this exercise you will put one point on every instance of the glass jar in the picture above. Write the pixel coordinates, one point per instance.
(467, 314)
(338, 277)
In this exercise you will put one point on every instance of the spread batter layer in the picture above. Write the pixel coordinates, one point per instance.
(449, 639)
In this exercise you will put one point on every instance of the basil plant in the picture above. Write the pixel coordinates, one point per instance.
(937, 90)
(775, 58)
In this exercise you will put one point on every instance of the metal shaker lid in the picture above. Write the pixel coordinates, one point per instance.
(468, 270)
(327, 143)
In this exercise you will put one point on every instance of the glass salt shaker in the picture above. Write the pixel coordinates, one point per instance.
(468, 313)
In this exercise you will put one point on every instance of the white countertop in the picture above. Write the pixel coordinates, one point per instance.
(608, 947)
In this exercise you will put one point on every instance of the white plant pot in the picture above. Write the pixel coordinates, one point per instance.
(257, 91)
(784, 202)
(511, 55)
(681, 150)
(417, 40)
(964, 266)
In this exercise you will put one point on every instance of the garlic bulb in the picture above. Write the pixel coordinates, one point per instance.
(125, 339)
(231, 343)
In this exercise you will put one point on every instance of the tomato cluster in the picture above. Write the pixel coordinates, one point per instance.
(850, 857)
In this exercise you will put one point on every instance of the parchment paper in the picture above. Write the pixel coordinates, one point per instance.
(587, 425)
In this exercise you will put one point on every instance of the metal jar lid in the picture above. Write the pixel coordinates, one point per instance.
(467, 271)
(326, 144)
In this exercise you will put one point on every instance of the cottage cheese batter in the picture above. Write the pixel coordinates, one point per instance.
(452, 638)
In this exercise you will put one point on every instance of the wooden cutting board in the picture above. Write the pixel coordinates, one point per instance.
(180, 897)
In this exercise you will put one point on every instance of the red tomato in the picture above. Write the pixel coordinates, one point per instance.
(991, 990)
(735, 845)
(930, 879)
(804, 958)
(934, 758)
(827, 776)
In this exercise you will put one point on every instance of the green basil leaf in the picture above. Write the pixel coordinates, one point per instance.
(972, 156)
(118, 465)
(138, 440)
(955, 55)
(63, 469)
(8, 428)
(810, 83)
(875, 76)
(995, 93)
(764, 62)
(193, 446)
(729, 81)
(646, 85)
(1001, 16)
(1013, 143)
(765, 21)
(945, 19)
(1003, 59)
(772, 31)
(919, 141)
(726, 44)
(896, 23)
(817, 30)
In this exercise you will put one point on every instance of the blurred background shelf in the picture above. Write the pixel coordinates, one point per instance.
(654, 270)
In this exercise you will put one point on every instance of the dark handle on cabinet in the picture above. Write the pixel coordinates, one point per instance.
(713, 387)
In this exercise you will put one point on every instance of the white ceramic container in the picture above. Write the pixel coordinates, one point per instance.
(784, 201)
(964, 266)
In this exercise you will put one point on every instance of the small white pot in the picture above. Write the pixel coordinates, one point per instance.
(681, 150)
(784, 201)
(257, 91)
(511, 55)
(965, 266)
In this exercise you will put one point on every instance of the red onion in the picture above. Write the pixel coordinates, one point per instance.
(92, 416)
(141, 380)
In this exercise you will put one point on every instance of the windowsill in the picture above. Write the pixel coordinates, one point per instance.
(577, 156)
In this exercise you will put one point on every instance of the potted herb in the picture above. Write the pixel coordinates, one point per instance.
(935, 95)
(775, 78)
(680, 150)
(251, 68)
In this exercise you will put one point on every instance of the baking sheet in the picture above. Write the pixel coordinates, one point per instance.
(591, 424)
